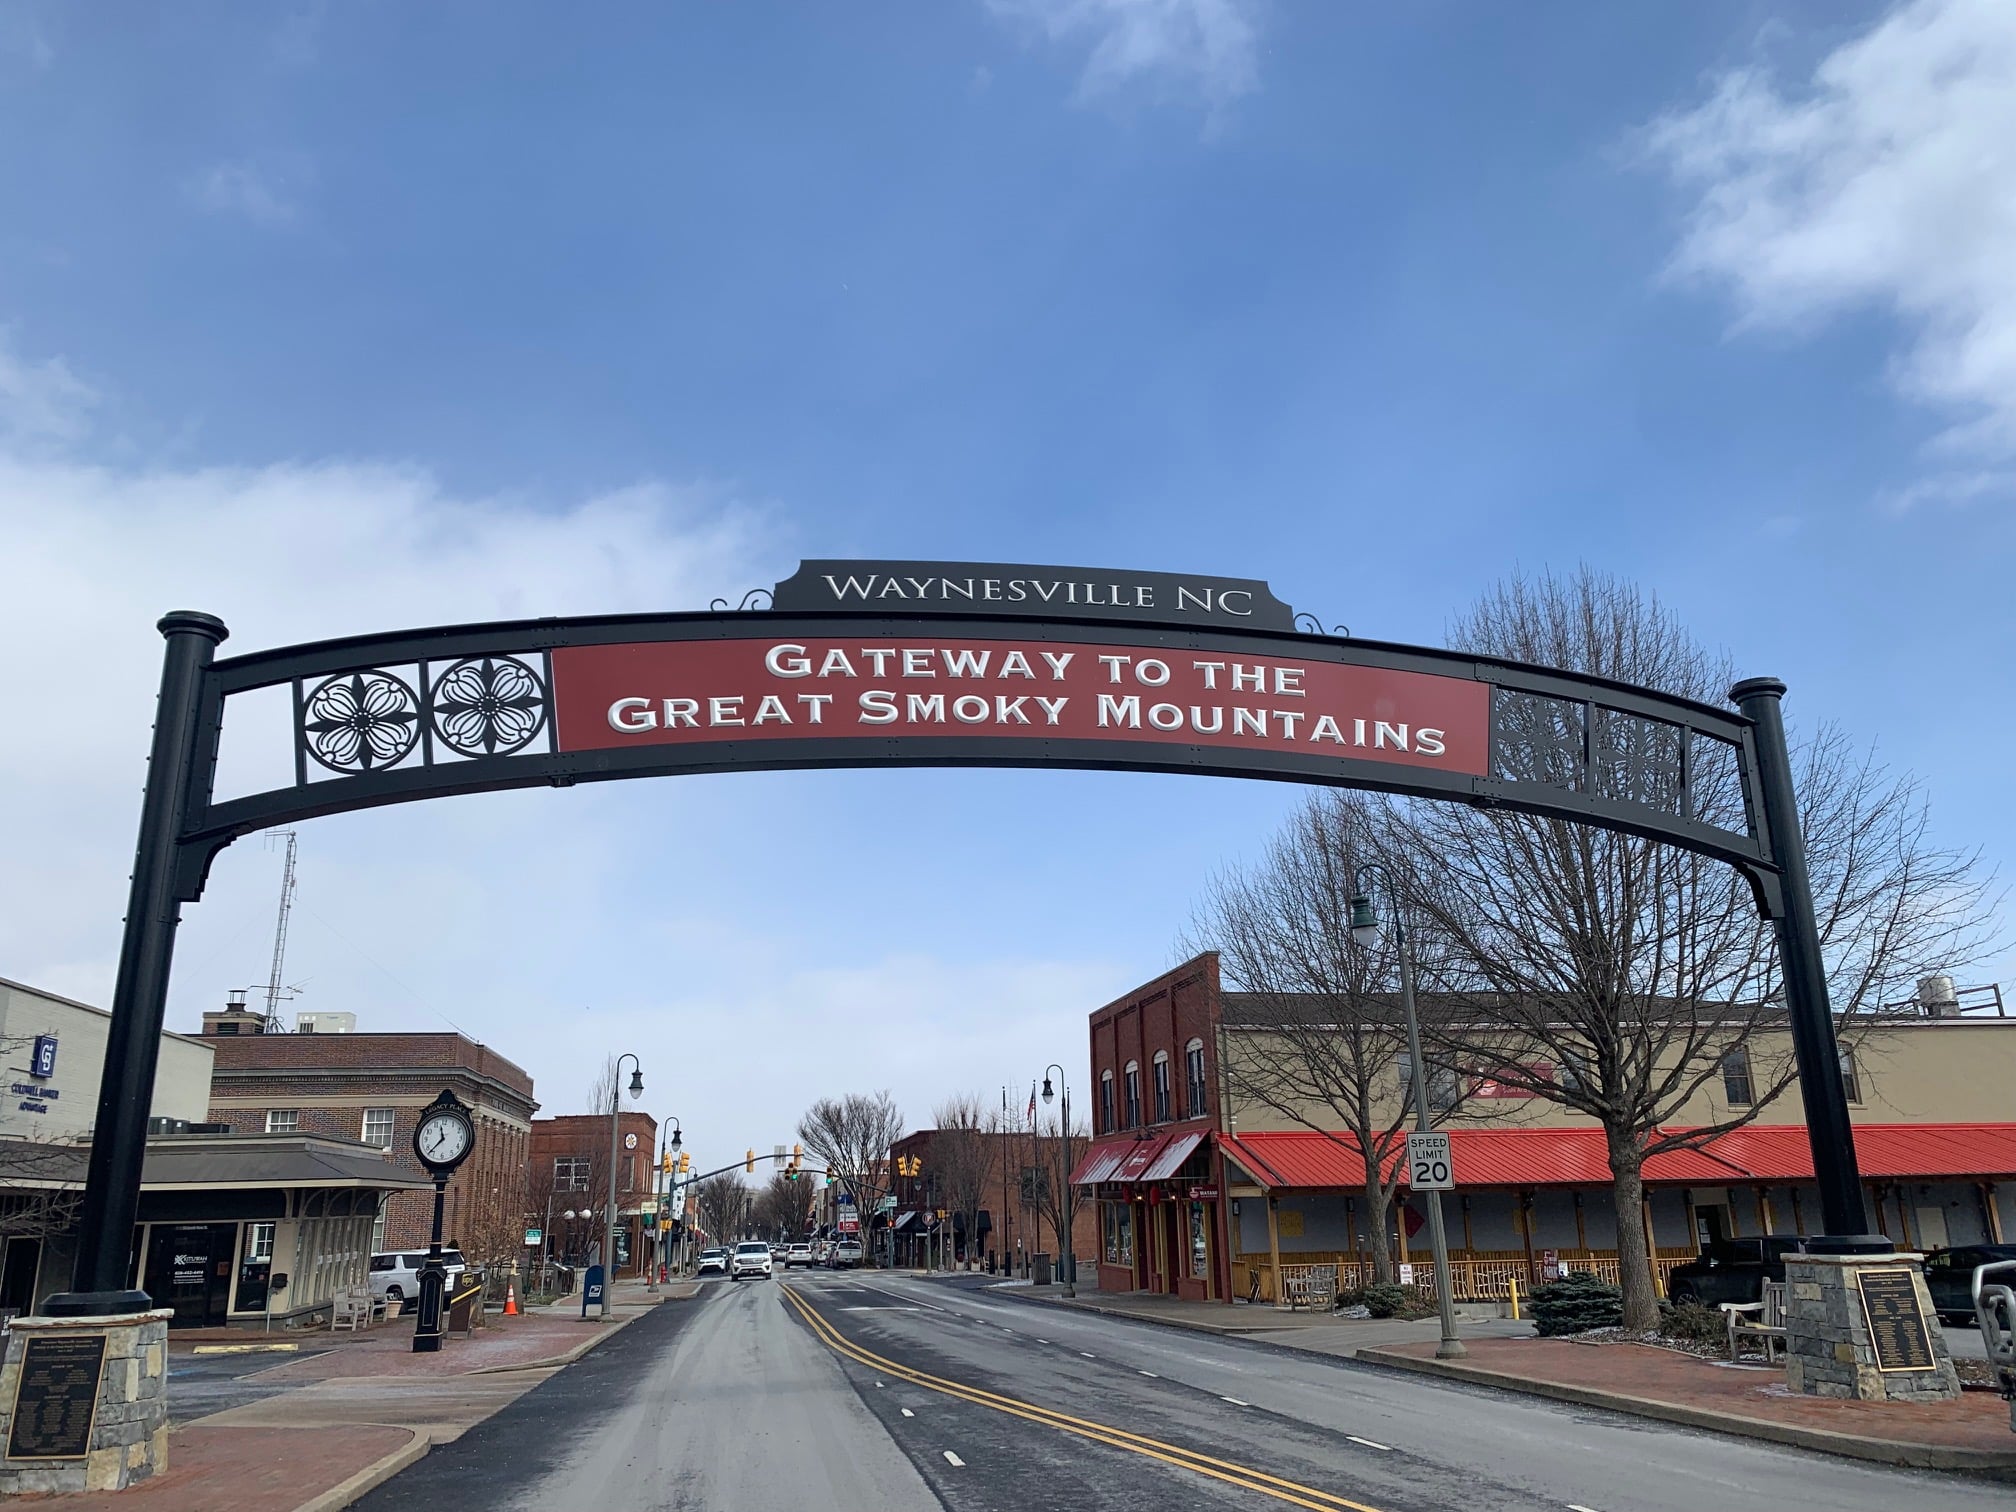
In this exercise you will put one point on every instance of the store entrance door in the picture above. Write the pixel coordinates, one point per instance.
(189, 1270)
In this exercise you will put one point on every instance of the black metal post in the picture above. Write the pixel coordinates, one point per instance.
(1811, 1017)
(175, 766)
(427, 1328)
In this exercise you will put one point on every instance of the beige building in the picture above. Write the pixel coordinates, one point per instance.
(60, 1106)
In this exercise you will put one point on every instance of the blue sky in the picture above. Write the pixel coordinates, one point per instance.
(335, 319)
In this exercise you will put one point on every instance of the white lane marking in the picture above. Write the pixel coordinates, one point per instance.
(1235, 1401)
(1578, 1507)
(881, 1307)
(878, 1385)
(908, 1413)
(1375, 1444)
(954, 1460)
(1006, 1329)
(1088, 1356)
(1150, 1374)
(1042, 1341)
(899, 1296)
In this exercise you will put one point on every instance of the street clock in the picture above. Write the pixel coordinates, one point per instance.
(444, 1136)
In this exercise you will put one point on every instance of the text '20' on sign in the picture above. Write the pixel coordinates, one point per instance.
(1429, 1166)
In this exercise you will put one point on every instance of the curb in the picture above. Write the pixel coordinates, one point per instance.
(370, 1477)
(603, 1333)
(1819, 1440)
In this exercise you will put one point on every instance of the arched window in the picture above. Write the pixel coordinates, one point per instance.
(1106, 1102)
(1193, 1079)
(1133, 1076)
(1161, 1086)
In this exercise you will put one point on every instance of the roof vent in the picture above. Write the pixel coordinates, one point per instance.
(1936, 997)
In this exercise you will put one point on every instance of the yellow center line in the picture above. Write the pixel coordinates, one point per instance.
(1243, 1476)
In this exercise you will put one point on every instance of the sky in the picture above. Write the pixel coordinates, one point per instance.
(331, 320)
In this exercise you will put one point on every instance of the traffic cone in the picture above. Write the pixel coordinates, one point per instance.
(510, 1299)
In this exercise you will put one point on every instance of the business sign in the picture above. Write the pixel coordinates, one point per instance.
(1045, 693)
(849, 1223)
(966, 588)
(43, 1062)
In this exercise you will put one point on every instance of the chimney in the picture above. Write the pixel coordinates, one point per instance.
(1936, 997)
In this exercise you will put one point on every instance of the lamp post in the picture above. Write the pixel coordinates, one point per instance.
(615, 1111)
(1065, 1204)
(1365, 930)
(659, 1189)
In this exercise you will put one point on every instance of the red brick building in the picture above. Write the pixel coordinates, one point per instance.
(1011, 1172)
(1152, 1163)
(372, 1087)
(569, 1167)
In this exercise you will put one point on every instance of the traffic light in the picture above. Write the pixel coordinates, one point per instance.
(831, 1178)
(665, 1163)
(909, 1165)
(749, 1165)
(686, 1162)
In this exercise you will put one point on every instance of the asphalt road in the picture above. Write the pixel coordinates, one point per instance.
(894, 1393)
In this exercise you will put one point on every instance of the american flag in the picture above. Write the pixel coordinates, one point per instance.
(1032, 1105)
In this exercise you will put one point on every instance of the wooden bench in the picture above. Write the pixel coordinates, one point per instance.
(1763, 1321)
(1315, 1286)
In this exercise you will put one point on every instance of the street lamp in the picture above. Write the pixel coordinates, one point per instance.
(661, 1189)
(1064, 1202)
(615, 1113)
(1365, 931)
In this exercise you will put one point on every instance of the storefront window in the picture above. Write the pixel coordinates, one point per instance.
(1119, 1234)
(1200, 1249)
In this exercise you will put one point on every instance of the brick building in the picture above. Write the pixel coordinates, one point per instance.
(1012, 1172)
(372, 1087)
(569, 1171)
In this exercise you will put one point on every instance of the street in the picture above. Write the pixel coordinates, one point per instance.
(861, 1389)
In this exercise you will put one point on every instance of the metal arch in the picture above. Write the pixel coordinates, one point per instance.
(442, 762)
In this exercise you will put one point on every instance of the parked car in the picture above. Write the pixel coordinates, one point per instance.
(1732, 1270)
(1949, 1276)
(713, 1261)
(821, 1248)
(846, 1254)
(751, 1259)
(395, 1275)
(798, 1254)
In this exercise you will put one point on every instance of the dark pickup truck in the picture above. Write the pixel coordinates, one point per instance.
(1732, 1270)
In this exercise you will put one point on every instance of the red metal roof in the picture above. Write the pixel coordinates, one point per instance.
(1142, 1156)
(1579, 1157)
(1175, 1151)
(1101, 1161)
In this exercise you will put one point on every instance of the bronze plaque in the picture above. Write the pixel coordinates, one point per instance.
(56, 1400)
(1896, 1322)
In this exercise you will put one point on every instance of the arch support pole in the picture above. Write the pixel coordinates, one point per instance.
(1811, 1017)
(177, 767)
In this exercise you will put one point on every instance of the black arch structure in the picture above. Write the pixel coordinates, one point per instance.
(419, 714)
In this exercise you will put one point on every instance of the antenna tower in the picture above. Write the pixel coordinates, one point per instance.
(274, 990)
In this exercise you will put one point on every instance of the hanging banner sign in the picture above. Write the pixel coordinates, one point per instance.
(694, 692)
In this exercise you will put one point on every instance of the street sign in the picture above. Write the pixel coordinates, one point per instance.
(1429, 1167)
(1406, 1273)
(533, 1235)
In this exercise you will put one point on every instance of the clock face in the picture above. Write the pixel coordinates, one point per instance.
(442, 1139)
(629, 1141)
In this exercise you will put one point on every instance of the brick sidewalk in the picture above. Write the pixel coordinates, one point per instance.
(246, 1469)
(1971, 1432)
(388, 1349)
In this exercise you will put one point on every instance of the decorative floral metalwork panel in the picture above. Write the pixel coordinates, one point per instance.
(1539, 739)
(360, 721)
(487, 706)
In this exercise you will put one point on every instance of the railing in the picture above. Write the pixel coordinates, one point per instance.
(1478, 1277)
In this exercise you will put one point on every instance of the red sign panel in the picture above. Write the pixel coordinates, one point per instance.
(700, 691)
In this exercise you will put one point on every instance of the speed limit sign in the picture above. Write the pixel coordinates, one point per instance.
(1429, 1168)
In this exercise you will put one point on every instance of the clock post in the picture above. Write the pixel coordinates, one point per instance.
(442, 1140)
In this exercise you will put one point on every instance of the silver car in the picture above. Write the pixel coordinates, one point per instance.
(751, 1259)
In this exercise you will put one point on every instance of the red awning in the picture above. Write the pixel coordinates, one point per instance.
(1133, 1158)
(1177, 1150)
(1774, 1153)
(1101, 1161)
(1142, 1156)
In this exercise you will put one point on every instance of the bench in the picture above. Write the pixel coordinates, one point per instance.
(1763, 1321)
(353, 1309)
(1309, 1286)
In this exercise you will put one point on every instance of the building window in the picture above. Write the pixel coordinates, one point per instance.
(1736, 1087)
(283, 1120)
(1119, 1233)
(1193, 1092)
(1573, 1073)
(1133, 1075)
(258, 1243)
(570, 1173)
(378, 1127)
(1441, 1083)
(1161, 1086)
(1851, 1084)
(1106, 1101)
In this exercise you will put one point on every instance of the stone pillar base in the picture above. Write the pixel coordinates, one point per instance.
(1828, 1348)
(129, 1434)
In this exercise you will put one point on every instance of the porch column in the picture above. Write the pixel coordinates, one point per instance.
(1399, 1211)
(1651, 1233)
(1526, 1230)
(1992, 1213)
(1469, 1245)
(1882, 1224)
(1764, 1217)
(1581, 1226)
(1798, 1218)
(1273, 1250)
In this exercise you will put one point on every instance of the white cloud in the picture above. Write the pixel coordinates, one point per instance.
(41, 402)
(1206, 45)
(1888, 183)
(262, 193)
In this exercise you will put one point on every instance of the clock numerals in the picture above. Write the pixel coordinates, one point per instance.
(443, 1139)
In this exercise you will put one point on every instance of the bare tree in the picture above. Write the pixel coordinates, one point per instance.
(606, 1088)
(781, 1208)
(960, 1150)
(1612, 974)
(1311, 1035)
(852, 1136)
(722, 1202)
(1048, 1184)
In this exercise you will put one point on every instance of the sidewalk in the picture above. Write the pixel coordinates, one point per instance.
(362, 1411)
(1970, 1433)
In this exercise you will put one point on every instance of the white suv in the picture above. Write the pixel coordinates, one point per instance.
(751, 1259)
(395, 1274)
